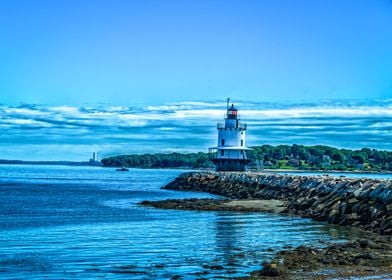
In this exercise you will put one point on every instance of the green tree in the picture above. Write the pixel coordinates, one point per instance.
(338, 156)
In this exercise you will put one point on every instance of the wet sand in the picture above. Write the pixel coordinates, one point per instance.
(260, 205)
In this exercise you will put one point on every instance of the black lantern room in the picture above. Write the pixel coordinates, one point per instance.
(232, 112)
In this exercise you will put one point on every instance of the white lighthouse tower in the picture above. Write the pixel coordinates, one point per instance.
(230, 154)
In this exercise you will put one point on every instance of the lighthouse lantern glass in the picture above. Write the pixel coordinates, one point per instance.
(232, 113)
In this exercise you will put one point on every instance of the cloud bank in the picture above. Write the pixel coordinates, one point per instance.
(38, 132)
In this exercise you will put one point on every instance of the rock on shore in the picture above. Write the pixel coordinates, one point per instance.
(361, 257)
(361, 202)
(208, 204)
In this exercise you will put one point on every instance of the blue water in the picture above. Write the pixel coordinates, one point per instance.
(84, 222)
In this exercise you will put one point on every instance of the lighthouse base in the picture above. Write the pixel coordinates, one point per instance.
(226, 164)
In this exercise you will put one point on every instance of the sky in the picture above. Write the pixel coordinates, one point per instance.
(37, 132)
(84, 76)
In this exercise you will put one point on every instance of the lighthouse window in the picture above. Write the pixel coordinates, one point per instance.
(222, 152)
(223, 142)
(242, 142)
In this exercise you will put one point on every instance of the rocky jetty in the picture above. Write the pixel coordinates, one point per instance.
(360, 202)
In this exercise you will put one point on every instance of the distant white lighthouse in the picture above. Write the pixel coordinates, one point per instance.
(230, 154)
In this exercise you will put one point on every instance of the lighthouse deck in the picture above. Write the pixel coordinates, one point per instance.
(232, 148)
(240, 126)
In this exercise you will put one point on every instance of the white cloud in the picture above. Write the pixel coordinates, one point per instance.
(190, 126)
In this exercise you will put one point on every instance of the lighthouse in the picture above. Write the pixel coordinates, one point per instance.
(230, 154)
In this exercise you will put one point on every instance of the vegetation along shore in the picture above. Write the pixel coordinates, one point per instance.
(282, 157)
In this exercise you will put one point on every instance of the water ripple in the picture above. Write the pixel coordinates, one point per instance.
(93, 227)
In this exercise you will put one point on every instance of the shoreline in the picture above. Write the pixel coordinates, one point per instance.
(359, 258)
(292, 171)
(324, 171)
(360, 202)
(211, 204)
(368, 256)
(364, 204)
(265, 170)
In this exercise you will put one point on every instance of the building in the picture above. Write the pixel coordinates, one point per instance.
(230, 154)
(94, 160)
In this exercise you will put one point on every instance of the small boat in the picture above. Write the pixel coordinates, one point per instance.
(122, 169)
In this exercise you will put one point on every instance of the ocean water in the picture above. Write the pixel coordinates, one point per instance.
(60, 222)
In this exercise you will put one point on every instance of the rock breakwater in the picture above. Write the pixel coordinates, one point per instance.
(360, 202)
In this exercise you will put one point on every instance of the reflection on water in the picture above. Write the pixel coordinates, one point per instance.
(82, 222)
(226, 233)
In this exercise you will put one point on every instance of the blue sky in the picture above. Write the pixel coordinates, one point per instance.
(127, 52)
(90, 56)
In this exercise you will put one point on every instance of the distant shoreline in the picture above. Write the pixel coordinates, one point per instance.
(265, 170)
(86, 163)
(60, 162)
(280, 158)
(326, 171)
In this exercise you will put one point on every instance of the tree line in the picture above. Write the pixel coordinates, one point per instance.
(294, 157)
(172, 160)
(321, 158)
